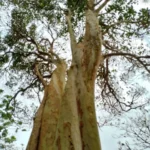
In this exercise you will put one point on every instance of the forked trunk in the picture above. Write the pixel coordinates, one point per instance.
(66, 119)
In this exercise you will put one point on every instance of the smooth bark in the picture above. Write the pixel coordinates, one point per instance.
(66, 119)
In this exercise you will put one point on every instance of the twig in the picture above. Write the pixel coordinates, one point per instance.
(102, 5)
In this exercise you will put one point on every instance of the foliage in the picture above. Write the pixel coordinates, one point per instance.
(26, 44)
(10, 117)
(6, 119)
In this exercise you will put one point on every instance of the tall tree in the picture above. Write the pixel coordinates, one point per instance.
(100, 35)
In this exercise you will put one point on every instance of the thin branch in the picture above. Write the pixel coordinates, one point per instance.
(131, 55)
(30, 39)
(123, 54)
(44, 53)
(107, 45)
(22, 90)
(39, 74)
(71, 32)
(38, 95)
(118, 23)
(102, 6)
(45, 39)
(97, 2)
(112, 91)
(141, 138)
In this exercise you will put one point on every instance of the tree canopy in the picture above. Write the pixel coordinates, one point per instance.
(37, 38)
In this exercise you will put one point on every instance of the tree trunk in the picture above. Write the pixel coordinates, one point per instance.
(45, 123)
(66, 119)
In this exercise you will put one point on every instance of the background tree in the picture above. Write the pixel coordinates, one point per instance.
(31, 49)
(135, 130)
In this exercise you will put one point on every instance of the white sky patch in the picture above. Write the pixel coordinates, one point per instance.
(142, 4)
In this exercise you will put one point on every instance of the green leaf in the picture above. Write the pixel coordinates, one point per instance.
(2, 105)
(6, 115)
(24, 130)
(13, 137)
(20, 122)
(10, 140)
(1, 128)
(5, 101)
(7, 123)
(8, 96)
(1, 91)
(2, 146)
(5, 133)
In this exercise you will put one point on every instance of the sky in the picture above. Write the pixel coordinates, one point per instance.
(108, 134)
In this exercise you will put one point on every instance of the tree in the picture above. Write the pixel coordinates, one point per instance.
(136, 130)
(66, 117)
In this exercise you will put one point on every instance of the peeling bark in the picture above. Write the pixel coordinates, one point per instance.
(45, 123)
(66, 119)
(77, 127)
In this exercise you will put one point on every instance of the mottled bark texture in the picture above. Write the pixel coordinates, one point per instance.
(66, 119)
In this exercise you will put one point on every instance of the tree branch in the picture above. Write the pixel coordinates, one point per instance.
(118, 23)
(138, 58)
(123, 54)
(102, 5)
(22, 90)
(37, 72)
(70, 29)
(44, 53)
(97, 2)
